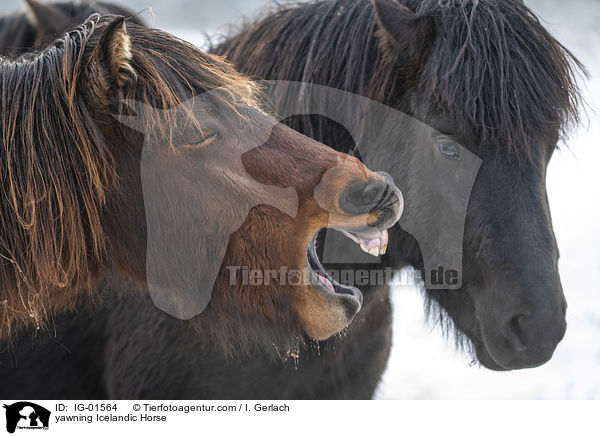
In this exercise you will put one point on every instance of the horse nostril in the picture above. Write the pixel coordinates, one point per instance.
(517, 335)
(364, 197)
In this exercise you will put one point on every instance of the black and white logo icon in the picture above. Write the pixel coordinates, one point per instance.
(26, 415)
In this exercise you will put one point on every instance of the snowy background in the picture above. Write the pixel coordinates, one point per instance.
(423, 364)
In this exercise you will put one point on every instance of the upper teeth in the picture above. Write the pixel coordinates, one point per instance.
(375, 244)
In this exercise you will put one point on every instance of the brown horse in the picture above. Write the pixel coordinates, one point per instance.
(72, 199)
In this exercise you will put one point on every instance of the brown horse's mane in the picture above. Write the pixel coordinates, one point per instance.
(492, 68)
(56, 166)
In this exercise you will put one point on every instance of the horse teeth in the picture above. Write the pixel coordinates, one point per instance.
(374, 246)
(374, 251)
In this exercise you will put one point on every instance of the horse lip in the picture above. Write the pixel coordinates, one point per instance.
(485, 355)
(483, 352)
(388, 217)
(485, 358)
(392, 210)
(340, 291)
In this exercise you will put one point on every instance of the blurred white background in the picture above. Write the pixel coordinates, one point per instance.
(423, 364)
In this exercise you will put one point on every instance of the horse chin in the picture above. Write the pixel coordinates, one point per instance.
(327, 306)
(497, 359)
(467, 329)
(486, 359)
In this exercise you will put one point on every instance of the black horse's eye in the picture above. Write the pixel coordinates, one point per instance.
(448, 148)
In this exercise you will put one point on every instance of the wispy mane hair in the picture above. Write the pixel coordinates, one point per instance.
(57, 167)
(494, 67)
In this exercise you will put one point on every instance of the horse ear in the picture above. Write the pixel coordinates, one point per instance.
(109, 68)
(46, 18)
(401, 31)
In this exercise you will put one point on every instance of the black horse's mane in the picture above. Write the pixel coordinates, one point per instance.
(492, 68)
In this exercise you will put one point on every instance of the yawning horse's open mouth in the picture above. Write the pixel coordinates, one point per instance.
(334, 305)
(342, 302)
(324, 282)
(374, 243)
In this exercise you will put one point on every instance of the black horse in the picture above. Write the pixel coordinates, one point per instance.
(487, 75)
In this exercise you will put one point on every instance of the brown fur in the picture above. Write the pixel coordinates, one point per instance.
(58, 167)
(71, 206)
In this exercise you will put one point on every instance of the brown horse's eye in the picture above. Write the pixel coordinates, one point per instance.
(448, 148)
(204, 142)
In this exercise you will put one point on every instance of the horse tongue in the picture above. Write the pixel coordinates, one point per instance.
(326, 282)
(372, 243)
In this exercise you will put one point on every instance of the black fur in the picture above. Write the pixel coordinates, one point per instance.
(127, 348)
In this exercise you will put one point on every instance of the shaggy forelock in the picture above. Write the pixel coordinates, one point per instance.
(494, 69)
